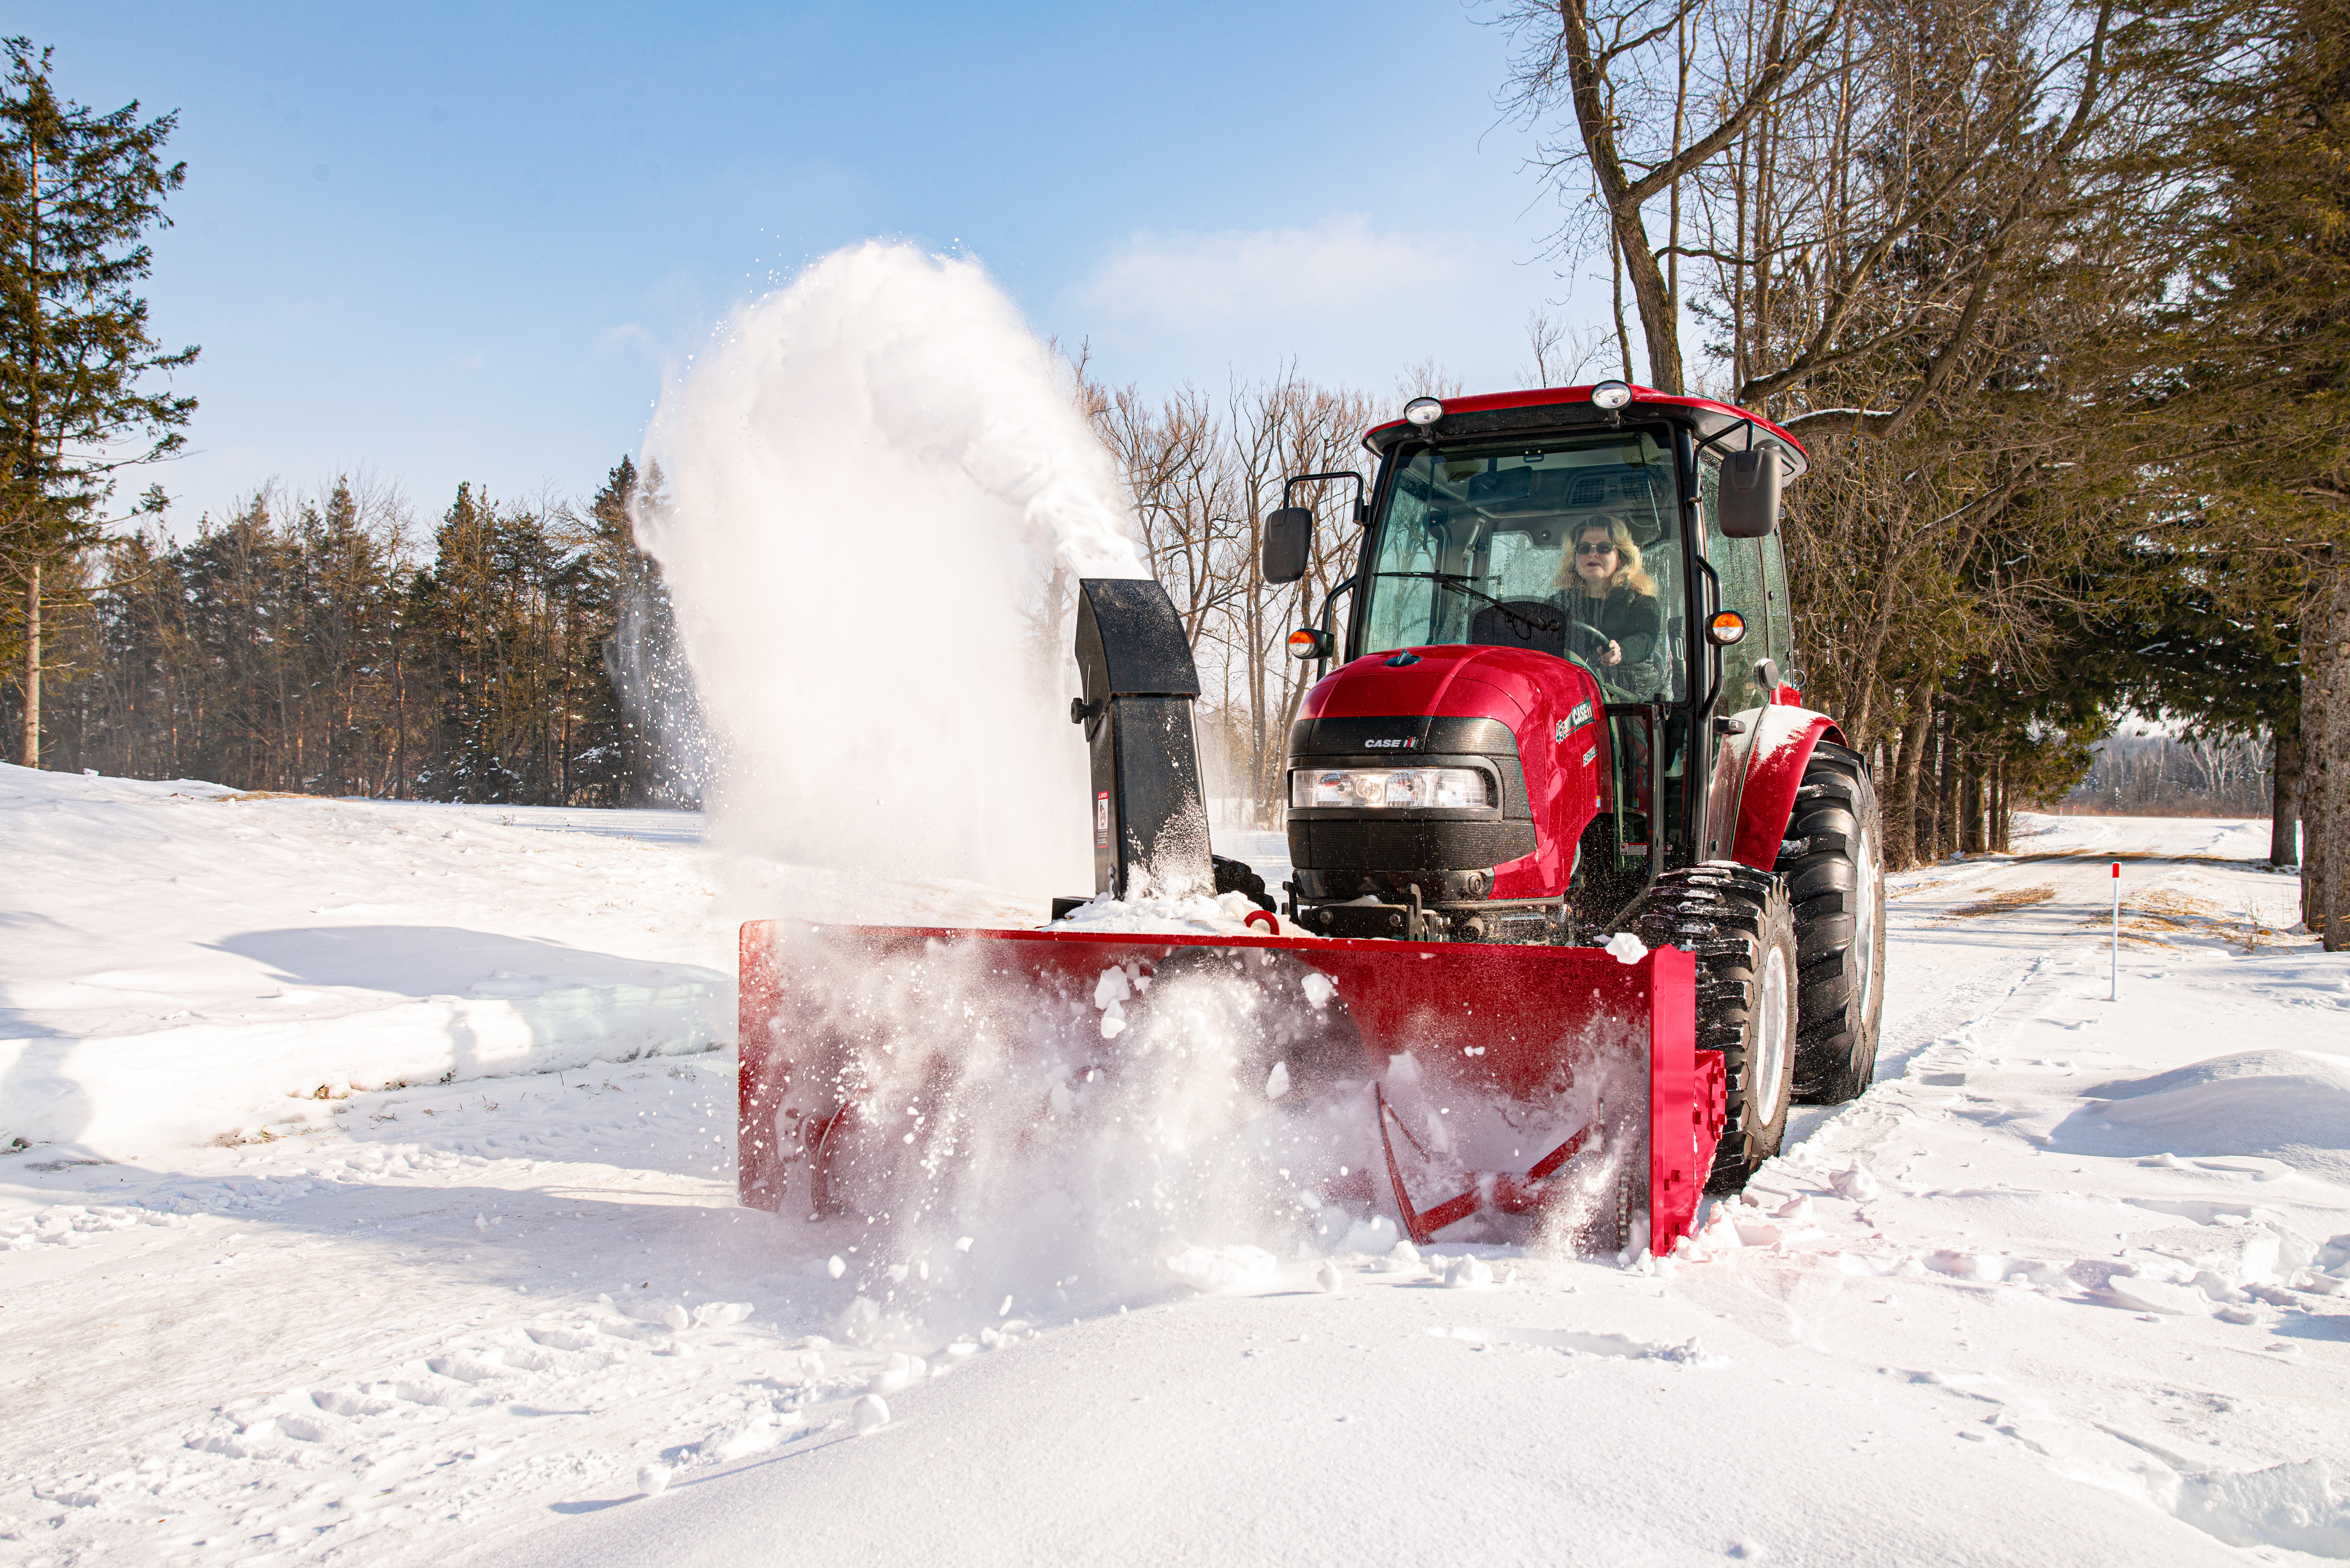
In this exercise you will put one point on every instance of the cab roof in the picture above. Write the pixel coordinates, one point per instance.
(1570, 408)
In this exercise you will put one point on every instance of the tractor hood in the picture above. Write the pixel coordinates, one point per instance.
(1390, 707)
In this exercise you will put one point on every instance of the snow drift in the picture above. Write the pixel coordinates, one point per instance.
(2287, 1104)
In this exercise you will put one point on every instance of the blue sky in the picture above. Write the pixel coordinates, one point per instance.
(450, 242)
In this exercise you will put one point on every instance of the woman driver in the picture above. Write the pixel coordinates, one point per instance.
(1615, 620)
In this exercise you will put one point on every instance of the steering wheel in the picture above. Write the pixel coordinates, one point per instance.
(1583, 629)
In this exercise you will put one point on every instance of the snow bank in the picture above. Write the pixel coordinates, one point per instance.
(185, 963)
(2288, 1104)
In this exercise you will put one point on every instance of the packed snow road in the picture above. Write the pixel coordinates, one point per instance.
(2066, 1285)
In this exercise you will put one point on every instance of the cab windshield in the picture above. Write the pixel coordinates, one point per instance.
(1567, 545)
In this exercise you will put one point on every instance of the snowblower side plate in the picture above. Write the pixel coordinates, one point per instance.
(1462, 1025)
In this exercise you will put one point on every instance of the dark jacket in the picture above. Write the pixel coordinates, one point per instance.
(1635, 622)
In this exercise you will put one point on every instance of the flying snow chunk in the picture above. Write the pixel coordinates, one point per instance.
(870, 1413)
(1329, 1278)
(1276, 1083)
(651, 1479)
(1625, 948)
(836, 1266)
(1319, 988)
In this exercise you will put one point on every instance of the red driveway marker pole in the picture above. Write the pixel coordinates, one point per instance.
(2114, 993)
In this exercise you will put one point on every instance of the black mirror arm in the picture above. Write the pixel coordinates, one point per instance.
(1720, 437)
(1329, 612)
(1362, 493)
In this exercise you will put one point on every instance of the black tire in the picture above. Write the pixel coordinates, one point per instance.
(1739, 924)
(1833, 862)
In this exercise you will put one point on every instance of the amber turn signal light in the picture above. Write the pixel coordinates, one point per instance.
(1306, 642)
(1726, 628)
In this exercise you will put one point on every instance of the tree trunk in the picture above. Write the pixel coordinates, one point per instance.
(2284, 788)
(1929, 788)
(1901, 816)
(32, 749)
(1950, 837)
(2325, 746)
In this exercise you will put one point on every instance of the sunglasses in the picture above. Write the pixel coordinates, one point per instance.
(1594, 547)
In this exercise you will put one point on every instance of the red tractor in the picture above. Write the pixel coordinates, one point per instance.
(1564, 713)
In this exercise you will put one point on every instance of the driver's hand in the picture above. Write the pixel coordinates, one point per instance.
(1614, 654)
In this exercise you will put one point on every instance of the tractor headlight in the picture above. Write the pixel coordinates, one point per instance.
(1361, 787)
(1610, 395)
(1423, 411)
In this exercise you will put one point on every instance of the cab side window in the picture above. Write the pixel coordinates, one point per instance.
(1782, 620)
(1741, 565)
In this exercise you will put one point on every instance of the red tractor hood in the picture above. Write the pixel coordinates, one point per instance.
(1452, 680)
(1553, 710)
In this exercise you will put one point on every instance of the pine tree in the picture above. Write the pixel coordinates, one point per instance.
(2264, 351)
(77, 191)
(661, 731)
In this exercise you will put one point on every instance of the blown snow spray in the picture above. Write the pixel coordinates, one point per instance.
(882, 494)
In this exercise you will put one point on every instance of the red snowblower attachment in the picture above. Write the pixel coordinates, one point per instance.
(1478, 1089)
(1435, 1082)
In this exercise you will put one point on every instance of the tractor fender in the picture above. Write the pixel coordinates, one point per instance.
(1776, 749)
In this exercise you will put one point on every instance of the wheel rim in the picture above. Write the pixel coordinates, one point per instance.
(1864, 926)
(1770, 1040)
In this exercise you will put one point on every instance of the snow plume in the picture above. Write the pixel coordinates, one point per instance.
(1057, 1144)
(882, 497)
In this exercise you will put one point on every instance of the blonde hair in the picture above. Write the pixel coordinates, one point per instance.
(1629, 573)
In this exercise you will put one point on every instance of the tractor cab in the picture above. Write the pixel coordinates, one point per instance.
(1615, 549)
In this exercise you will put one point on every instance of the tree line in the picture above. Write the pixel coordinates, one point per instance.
(306, 644)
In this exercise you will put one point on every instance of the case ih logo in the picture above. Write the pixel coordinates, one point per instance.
(1572, 722)
(1403, 744)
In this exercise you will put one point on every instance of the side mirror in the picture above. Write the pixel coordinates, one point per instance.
(1749, 493)
(1288, 543)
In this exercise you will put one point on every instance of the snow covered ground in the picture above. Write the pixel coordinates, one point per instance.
(2064, 1286)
